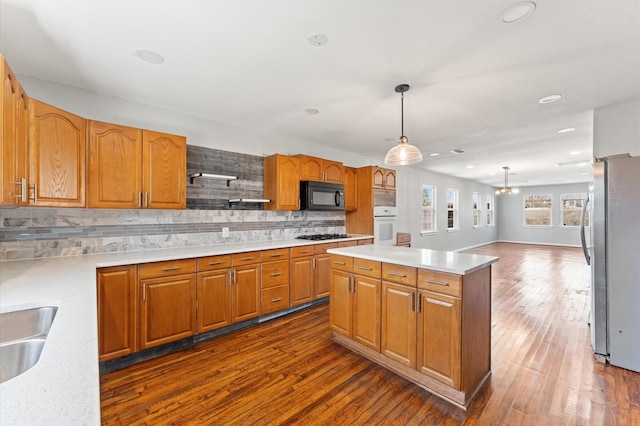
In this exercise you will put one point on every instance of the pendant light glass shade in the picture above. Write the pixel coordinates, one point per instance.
(403, 154)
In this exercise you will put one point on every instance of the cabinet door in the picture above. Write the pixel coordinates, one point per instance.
(9, 190)
(399, 323)
(321, 276)
(22, 148)
(57, 156)
(214, 300)
(245, 293)
(389, 179)
(350, 189)
(164, 170)
(301, 274)
(115, 166)
(311, 168)
(366, 311)
(167, 309)
(439, 334)
(377, 178)
(341, 302)
(117, 317)
(282, 182)
(333, 171)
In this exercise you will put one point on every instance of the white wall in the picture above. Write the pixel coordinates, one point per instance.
(616, 129)
(409, 199)
(511, 217)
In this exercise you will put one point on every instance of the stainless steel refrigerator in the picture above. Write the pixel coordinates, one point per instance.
(614, 256)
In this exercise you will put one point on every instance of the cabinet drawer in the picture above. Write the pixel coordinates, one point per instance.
(275, 299)
(211, 263)
(399, 274)
(246, 258)
(348, 243)
(301, 251)
(440, 282)
(365, 242)
(322, 248)
(167, 268)
(275, 254)
(275, 273)
(341, 263)
(366, 267)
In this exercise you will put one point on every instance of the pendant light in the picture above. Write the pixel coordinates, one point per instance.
(506, 189)
(403, 153)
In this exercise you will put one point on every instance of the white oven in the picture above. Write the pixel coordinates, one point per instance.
(384, 225)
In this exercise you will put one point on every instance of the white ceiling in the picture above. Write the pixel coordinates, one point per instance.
(475, 81)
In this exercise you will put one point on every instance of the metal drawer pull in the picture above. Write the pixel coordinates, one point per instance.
(303, 251)
(338, 263)
(247, 258)
(437, 283)
(173, 268)
(277, 299)
(276, 255)
(215, 263)
(366, 268)
(275, 274)
(395, 274)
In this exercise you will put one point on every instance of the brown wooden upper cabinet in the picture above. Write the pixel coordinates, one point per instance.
(57, 147)
(133, 168)
(350, 189)
(383, 178)
(14, 158)
(282, 182)
(320, 170)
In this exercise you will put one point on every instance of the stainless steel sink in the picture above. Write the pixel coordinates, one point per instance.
(26, 323)
(17, 357)
(22, 336)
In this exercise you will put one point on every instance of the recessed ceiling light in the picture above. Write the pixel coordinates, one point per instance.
(469, 166)
(149, 56)
(458, 151)
(434, 154)
(567, 130)
(574, 152)
(518, 12)
(312, 111)
(318, 40)
(549, 99)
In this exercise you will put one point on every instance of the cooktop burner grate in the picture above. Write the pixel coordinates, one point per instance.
(317, 237)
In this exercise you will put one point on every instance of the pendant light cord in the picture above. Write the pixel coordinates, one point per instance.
(402, 114)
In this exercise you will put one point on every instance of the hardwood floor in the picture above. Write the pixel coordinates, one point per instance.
(288, 371)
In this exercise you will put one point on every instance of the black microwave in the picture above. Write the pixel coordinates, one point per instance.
(321, 196)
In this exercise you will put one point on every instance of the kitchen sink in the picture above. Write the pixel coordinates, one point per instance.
(19, 356)
(26, 323)
(23, 334)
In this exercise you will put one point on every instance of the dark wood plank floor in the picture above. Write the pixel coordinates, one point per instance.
(288, 371)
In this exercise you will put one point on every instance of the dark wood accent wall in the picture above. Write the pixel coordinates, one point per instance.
(214, 194)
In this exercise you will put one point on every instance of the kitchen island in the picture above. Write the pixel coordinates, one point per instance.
(63, 387)
(423, 314)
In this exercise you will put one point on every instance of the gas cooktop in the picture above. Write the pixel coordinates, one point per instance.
(316, 237)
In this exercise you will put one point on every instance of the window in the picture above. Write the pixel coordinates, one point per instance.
(572, 209)
(476, 209)
(452, 208)
(490, 220)
(428, 208)
(537, 210)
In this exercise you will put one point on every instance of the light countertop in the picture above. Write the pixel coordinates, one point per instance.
(63, 387)
(441, 261)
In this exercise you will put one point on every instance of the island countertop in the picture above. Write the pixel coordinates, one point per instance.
(441, 261)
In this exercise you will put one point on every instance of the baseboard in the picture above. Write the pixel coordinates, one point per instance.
(476, 246)
(539, 244)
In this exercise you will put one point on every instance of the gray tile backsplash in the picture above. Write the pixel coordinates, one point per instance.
(27, 233)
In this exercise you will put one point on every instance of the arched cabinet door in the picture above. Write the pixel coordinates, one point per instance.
(164, 170)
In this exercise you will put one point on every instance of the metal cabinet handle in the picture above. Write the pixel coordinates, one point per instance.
(275, 274)
(144, 292)
(276, 255)
(437, 283)
(139, 199)
(23, 190)
(247, 258)
(365, 268)
(413, 301)
(313, 262)
(229, 277)
(235, 275)
(338, 263)
(277, 299)
(173, 268)
(215, 263)
(146, 199)
(419, 303)
(303, 251)
(395, 274)
(35, 193)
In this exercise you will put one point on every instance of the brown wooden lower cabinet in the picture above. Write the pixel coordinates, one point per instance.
(435, 327)
(214, 299)
(117, 313)
(302, 278)
(245, 292)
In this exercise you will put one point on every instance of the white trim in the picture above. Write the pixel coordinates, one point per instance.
(427, 233)
(476, 246)
(539, 244)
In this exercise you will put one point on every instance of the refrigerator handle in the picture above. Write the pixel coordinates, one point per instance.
(582, 231)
